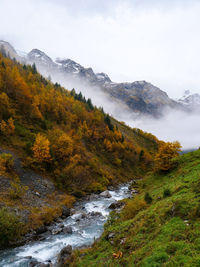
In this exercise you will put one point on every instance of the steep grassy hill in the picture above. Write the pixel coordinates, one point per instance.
(158, 227)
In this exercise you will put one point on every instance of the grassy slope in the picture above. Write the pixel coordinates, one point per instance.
(144, 140)
(163, 233)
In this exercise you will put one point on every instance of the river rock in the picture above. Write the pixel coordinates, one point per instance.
(106, 194)
(56, 231)
(65, 212)
(95, 213)
(93, 197)
(41, 230)
(110, 236)
(45, 265)
(61, 225)
(58, 220)
(123, 240)
(116, 205)
(33, 263)
(67, 230)
(133, 191)
(64, 255)
(83, 215)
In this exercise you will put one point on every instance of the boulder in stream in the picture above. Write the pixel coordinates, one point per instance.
(33, 263)
(56, 231)
(67, 230)
(106, 194)
(41, 230)
(116, 205)
(95, 213)
(64, 256)
(65, 212)
(45, 265)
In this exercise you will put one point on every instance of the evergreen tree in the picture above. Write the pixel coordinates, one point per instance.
(34, 69)
(108, 122)
(80, 97)
(73, 92)
(90, 105)
(3, 65)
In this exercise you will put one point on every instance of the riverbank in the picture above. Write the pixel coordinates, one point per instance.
(85, 225)
(159, 227)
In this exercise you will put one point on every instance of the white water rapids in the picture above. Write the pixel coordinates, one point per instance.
(85, 230)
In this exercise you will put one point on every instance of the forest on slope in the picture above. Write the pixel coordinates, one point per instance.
(59, 135)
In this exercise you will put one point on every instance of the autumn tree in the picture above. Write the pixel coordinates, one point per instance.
(63, 147)
(3, 127)
(7, 128)
(41, 149)
(167, 151)
(10, 126)
(5, 110)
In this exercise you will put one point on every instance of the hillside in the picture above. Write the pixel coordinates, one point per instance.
(54, 146)
(161, 229)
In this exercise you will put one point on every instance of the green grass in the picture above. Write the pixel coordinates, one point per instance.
(165, 232)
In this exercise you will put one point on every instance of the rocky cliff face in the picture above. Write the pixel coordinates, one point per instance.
(140, 96)
(8, 50)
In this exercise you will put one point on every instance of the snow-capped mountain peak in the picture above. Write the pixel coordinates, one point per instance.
(190, 99)
(37, 54)
(103, 77)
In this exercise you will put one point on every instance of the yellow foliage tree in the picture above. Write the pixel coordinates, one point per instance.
(167, 151)
(10, 126)
(63, 147)
(117, 135)
(41, 149)
(5, 105)
(107, 144)
(7, 128)
(3, 127)
(85, 130)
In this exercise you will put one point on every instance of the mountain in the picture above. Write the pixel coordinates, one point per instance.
(141, 97)
(191, 101)
(7, 49)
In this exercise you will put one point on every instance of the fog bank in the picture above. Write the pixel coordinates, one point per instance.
(175, 125)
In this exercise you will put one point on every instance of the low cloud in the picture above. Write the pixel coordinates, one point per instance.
(174, 125)
(152, 40)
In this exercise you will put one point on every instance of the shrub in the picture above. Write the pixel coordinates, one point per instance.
(41, 149)
(6, 163)
(10, 227)
(67, 200)
(132, 207)
(166, 192)
(17, 190)
(148, 198)
(167, 151)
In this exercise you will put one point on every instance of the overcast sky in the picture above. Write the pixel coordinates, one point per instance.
(153, 40)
